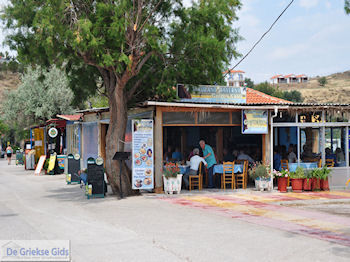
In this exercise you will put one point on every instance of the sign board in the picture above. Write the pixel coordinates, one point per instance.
(73, 168)
(52, 162)
(95, 176)
(254, 121)
(142, 154)
(60, 161)
(40, 165)
(53, 132)
(213, 94)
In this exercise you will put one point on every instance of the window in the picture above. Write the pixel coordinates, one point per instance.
(335, 146)
(310, 144)
(178, 118)
(214, 118)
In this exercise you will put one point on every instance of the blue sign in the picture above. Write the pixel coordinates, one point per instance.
(254, 121)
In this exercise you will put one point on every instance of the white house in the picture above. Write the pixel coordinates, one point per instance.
(234, 78)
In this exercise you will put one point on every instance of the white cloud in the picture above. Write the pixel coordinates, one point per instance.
(308, 3)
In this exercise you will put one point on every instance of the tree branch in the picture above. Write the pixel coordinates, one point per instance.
(138, 83)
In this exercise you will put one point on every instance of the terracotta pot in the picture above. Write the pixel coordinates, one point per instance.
(282, 184)
(307, 185)
(325, 184)
(297, 184)
(316, 184)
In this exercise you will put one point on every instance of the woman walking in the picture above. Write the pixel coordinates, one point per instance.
(9, 152)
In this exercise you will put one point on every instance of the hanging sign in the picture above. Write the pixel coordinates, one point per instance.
(142, 154)
(53, 132)
(254, 121)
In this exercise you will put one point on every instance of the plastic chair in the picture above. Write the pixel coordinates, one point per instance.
(228, 175)
(196, 181)
(242, 178)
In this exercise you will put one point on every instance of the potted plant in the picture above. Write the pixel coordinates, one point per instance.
(297, 179)
(324, 173)
(172, 178)
(262, 177)
(282, 179)
(316, 179)
(307, 184)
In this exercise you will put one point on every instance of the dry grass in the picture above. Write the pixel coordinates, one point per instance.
(337, 89)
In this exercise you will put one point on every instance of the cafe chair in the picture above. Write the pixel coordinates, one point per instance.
(284, 164)
(319, 164)
(329, 162)
(242, 178)
(228, 175)
(196, 181)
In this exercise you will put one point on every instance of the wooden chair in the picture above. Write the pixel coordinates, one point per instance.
(197, 181)
(319, 163)
(284, 164)
(228, 175)
(242, 178)
(329, 162)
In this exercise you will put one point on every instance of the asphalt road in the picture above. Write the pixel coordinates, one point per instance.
(145, 228)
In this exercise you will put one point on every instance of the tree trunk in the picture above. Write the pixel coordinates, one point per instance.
(115, 140)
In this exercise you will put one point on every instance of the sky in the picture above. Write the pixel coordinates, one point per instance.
(312, 38)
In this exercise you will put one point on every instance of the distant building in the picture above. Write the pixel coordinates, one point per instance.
(234, 78)
(289, 79)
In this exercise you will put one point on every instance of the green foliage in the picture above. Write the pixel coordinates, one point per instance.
(249, 83)
(322, 81)
(299, 173)
(267, 88)
(41, 95)
(259, 171)
(324, 172)
(347, 6)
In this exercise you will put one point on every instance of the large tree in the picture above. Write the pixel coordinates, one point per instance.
(347, 6)
(139, 48)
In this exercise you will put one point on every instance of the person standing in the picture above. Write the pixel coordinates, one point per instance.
(9, 152)
(209, 156)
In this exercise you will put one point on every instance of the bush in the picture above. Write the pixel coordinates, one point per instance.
(299, 173)
(322, 81)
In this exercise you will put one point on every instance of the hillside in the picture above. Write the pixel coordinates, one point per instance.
(337, 89)
(8, 81)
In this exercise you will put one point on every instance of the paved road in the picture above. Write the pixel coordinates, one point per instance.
(212, 227)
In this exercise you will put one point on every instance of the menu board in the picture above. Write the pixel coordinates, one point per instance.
(142, 154)
(254, 121)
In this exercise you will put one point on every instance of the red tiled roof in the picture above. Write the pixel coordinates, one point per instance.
(276, 76)
(290, 75)
(254, 97)
(233, 71)
(75, 117)
(301, 75)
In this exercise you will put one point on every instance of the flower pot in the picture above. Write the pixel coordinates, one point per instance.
(316, 184)
(307, 186)
(324, 184)
(297, 184)
(264, 183)
(172, 184)
(282, 184)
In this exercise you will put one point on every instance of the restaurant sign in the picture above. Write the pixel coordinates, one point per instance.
(254, 121)
(142, 154)
(212, 94)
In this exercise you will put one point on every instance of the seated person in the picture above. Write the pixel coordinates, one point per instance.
(277, 159)
(307, 153)
(195, 162)
(228, 157)
(330, 155)
(83, 176)
(243, 156)
(168, 154)
(176, 155)
(339, 155)
(292, 157)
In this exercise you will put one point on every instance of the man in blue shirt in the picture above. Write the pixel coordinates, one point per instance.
(209, 156)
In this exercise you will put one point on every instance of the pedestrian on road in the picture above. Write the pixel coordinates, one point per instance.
(9, 152)
(209, 156)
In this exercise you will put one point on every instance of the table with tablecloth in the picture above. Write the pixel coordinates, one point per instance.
(307, 165)
(219, 169)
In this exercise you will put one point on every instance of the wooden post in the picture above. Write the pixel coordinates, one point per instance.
(158, 151)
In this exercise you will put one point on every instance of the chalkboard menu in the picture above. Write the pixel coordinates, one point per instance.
(95, 176)
(73, 168)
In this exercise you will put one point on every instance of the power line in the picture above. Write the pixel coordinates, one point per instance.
(285, 9)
